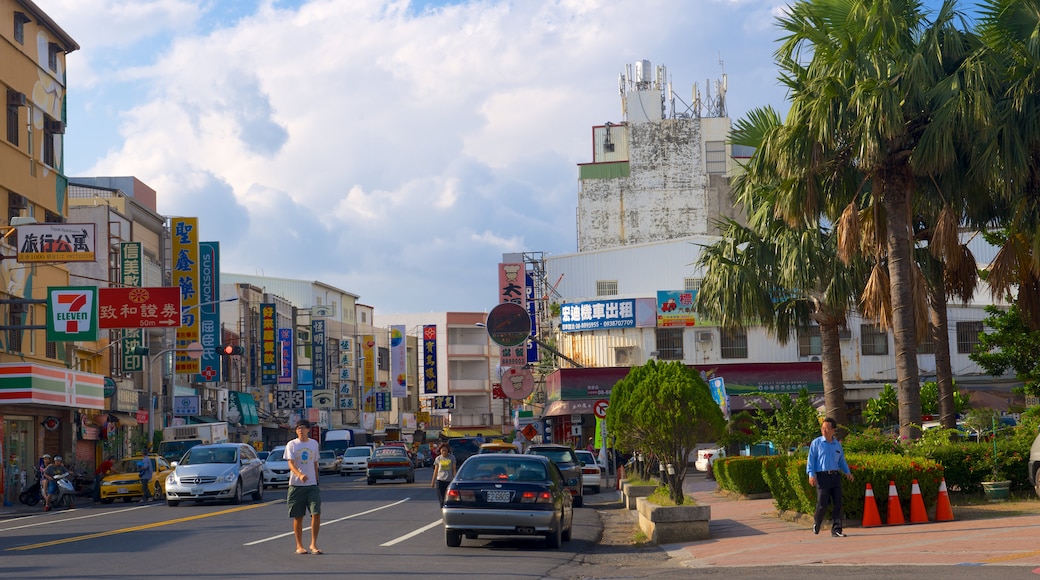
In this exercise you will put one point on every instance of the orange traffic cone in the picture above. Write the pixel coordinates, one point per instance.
(871, 517)
(918, 515)
(943, 509)
(895, 511)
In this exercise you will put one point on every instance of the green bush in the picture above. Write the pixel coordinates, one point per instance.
(741, 475)
(968, 464)
(872, 440)
(774, 473)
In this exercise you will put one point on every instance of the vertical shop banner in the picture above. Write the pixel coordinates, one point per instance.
(268, 355)
(532, 309)
(285, 350)
(209, 312)
(130, 273)
(72, 313)
(185, 271)
(429, 333)
(512, 288)
(368, 371)
(318, 355)
(398, 362)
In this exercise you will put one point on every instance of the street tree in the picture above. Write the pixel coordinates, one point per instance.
(789, 422)
(1012, 345)
(664, 409)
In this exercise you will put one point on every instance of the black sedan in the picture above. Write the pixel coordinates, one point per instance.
(508, 495)
(390, 463)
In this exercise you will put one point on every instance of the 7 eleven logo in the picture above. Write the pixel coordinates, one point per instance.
(72, 313)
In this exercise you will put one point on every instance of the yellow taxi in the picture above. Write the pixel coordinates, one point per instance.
(498, 447)
(125, 484)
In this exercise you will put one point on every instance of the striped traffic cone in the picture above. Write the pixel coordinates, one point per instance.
(871, 517)
(943, 509)
(895, 511)
(918, 515)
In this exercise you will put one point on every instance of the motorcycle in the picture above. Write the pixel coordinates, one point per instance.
(33, 494)
(66, 496)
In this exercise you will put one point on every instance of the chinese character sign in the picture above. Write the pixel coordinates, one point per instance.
(368, 364)
(318, 358)
(398, 362)
(285, 350)
(268, 342)
(598, 315)
(185, 271)
(209, 311)
(430, 359)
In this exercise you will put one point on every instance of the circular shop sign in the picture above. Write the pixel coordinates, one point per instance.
(509, 324)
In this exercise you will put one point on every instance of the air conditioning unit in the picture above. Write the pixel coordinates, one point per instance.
(16, 98)
(623, 356)
(54, 126)
(703, 336)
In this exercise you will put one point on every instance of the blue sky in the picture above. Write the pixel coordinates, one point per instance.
(392, 149)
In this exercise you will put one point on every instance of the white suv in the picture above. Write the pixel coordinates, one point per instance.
(1034, 464)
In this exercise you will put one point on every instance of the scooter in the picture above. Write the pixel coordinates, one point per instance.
(66, 496)
(33, 494)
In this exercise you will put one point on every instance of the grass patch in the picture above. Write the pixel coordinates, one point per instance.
(661, 497)
(639, 538)
(632, 481)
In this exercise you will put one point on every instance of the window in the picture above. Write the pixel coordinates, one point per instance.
(52, 56)
(874, 340)
(12, 124)
(16, 317)
(49, 137)
(669, 343)
(383, 358)
(715, 157)
(19, 27)
(968, 336)
(733, 344)
(606, 287)
(927, 346)
(809, 341)
(691, 284)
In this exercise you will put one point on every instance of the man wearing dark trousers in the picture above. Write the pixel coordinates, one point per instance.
(825, 468)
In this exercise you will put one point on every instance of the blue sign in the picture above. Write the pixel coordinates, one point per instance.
(532, 309)
(598, 315)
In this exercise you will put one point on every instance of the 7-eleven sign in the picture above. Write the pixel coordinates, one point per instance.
(72, 313)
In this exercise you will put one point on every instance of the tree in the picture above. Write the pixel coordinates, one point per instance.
(1012, 345)
(876, 86)
(789, 422)
(664, 409)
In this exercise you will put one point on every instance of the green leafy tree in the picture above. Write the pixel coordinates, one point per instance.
(1012, 345)
(882, 410)
(664, 408)
(930, 399)
(789, 422)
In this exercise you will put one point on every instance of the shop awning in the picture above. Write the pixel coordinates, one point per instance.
(125, 419)
(196, 419)
(245, 406)
(559, 408)
(468, 432)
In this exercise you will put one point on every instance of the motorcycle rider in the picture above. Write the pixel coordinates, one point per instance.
(55, 469)
(43, 464)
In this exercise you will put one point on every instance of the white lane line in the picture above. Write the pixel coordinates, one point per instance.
(57, 521)
(410, 534)
(323, 524)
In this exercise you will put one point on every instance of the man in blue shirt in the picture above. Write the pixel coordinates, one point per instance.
(825, 467)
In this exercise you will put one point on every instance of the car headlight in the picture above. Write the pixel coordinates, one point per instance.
(172, 479)
(229, 476)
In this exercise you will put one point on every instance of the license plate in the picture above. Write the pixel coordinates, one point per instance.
(122, 490)
(388, 472)
(196, 491)
(497, 496)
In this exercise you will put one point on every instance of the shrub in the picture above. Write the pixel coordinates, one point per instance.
(743, 475)
(872, 440)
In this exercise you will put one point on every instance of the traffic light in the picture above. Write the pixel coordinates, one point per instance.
(230, 349)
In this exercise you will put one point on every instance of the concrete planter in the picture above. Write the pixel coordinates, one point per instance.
(630, 492)
(671, 524)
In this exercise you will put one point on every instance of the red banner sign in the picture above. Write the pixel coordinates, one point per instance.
(139, 307)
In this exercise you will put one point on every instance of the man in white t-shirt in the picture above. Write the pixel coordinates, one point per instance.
(302, 454)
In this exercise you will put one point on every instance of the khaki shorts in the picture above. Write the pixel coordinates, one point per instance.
(301, 498)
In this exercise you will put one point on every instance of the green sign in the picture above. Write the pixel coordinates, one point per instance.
(110, 387)
(72, 313)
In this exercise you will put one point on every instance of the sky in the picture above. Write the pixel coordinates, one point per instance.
(392, 149)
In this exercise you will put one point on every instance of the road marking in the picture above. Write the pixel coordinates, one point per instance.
(55, 521)
(410, 534)
(323, 524)
(141, 527)
(1009, 557)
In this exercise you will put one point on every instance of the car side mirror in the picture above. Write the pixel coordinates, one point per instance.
(174, 463)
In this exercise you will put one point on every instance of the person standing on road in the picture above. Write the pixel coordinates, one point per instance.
(145, 472)
(443, 471)
(302, 454)
(826, 466)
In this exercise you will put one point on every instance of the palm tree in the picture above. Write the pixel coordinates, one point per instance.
(867, 79)
(775, 273)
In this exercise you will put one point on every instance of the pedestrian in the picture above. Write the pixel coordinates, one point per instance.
(591, 447)
(302, 454)
(41, 469)
(826, 466)
(100, 473)
(144, 472)
(443, 471)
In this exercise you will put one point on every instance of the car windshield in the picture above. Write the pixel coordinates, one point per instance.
(357, 452)
(499, 467)
(557, 455)
(586, 457)
(464, 446)
(276, 455)
(200, 456)
(328, 454)
(130, 466)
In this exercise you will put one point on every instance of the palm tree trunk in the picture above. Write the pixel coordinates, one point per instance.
(833, 381)
(943, 366)
(895, 197)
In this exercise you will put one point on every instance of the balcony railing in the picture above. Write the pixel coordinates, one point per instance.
(467, 350)
(469, 386)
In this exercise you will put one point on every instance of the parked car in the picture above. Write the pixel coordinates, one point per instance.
(508, 494)
(1034, 465)
(497, 447)
(464, 447)
(707, 457)
(354, 460)
(389, 462)
(262, 455)
(276, 468)
(328, 462)
(125, 484)
(222, 471)
(591, 472)
(569, 464)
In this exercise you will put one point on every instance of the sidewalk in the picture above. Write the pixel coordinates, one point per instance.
(749, 533)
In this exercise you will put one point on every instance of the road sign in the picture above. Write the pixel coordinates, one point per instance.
(290, 399)
(194, 350)
(136, 307)
(600, 408)
(509, 324)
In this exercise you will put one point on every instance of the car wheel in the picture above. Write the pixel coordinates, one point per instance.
(172, 503)
(1036, 480)
(452, 538)
(126, 500)
(237, 498)
(410, 478)
(579, 500)
(158, 493)
(258, 495)
(554, 538)
(566, 535)
(595, 489)
(371, 481)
